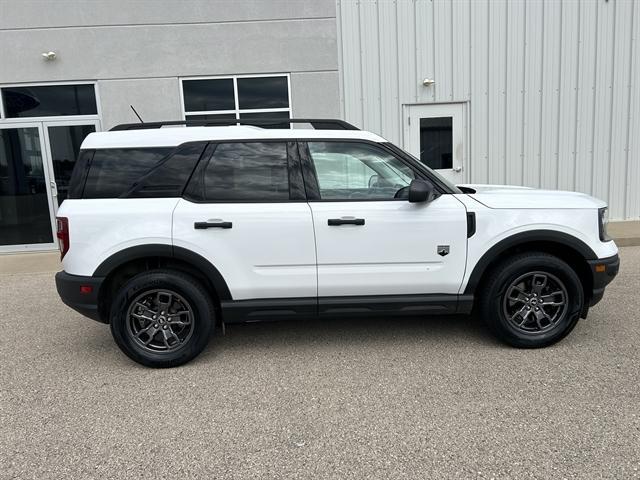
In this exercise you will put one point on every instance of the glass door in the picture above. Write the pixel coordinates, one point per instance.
(26, 201)
(436, 133)
(63, 140)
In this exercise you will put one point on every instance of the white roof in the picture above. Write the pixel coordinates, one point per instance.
(173, 136)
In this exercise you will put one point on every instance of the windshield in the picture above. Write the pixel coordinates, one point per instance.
(443, 180)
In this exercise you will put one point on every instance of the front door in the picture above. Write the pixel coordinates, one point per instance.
(36, 161)
(26, 200)
(368, 241)
(435, 134)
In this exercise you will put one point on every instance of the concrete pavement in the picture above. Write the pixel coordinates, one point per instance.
(383, 398)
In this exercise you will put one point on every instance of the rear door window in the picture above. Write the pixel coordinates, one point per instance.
(244, 172)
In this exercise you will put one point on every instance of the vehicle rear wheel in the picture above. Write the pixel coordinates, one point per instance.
(162, 318)
(532, 300)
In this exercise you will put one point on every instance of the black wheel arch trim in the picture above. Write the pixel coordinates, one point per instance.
(167, 251)
(522, 238)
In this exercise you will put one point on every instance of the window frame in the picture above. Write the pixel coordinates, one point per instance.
(93, 116)
(311, 179)
(297, 193)
(237, 111)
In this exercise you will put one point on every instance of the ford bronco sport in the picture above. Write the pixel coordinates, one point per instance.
(167, 231)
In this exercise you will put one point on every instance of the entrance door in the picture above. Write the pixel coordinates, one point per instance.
(26, 201)
(435, 134)
(63, 140)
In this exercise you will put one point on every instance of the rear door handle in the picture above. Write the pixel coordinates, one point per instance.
(345, 221)
(203, 225)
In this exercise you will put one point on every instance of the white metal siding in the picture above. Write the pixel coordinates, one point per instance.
(553, 86)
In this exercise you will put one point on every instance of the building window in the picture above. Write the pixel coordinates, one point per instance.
(49, 100)
(239, 97)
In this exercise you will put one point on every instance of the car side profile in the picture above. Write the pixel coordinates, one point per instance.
(167, 232)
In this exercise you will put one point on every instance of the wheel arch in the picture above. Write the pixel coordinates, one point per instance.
(121, 266)
(567, 247)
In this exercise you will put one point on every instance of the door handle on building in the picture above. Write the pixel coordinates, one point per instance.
(54, 187)
(457, 169)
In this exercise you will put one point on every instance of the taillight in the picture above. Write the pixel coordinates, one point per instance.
(63, 235)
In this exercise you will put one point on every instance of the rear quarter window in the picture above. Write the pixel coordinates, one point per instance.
(113, 171)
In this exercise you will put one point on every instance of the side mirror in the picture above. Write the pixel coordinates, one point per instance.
(420, 191)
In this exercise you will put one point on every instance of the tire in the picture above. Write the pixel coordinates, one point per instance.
(168, 311)
(529, 289)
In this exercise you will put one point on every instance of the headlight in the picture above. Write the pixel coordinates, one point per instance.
(603, 219)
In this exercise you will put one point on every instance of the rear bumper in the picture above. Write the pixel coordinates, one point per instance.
(84, 302)
(603, 271)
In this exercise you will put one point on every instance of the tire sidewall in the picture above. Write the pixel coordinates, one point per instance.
(182, 285)
(542, 263)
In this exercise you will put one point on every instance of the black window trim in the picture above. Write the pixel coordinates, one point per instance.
(311, 178)
(295, 176)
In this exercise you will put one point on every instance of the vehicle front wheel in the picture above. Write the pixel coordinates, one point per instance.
(532, 300)
(162, 318)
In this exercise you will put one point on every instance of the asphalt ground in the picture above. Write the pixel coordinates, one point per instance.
(376, 399)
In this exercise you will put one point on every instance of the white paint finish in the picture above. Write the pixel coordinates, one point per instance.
(536, 74)
(500, 196)
(495, 225)
(70, 13)
(456, 111)
(99, 228)
(268, 253)
(155, 99)
(394, 252)
(173, 136)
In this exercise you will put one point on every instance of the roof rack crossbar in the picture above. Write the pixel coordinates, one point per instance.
(316, 123)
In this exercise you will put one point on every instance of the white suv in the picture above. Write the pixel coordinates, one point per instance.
(167, 231)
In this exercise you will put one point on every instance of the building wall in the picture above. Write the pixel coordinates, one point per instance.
(553, 87)
(137, 50)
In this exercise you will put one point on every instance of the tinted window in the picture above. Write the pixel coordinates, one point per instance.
(49, 100)
(65, 142)
(263, 92)
(204, 95)
(353, 171)
(436, 142)
(113, 171)
(247, 172)
(169, 177)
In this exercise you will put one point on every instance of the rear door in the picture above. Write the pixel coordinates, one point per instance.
(245, 211)
(371, 243)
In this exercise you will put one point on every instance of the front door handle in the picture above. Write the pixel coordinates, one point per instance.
(203, 225)
(345, 221)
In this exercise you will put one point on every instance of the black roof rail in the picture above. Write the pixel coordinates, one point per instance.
(316, 123)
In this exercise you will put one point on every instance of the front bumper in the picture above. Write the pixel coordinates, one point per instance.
(83, 300)
(603, 271)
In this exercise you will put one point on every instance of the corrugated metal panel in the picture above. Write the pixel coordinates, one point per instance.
(552, 86)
